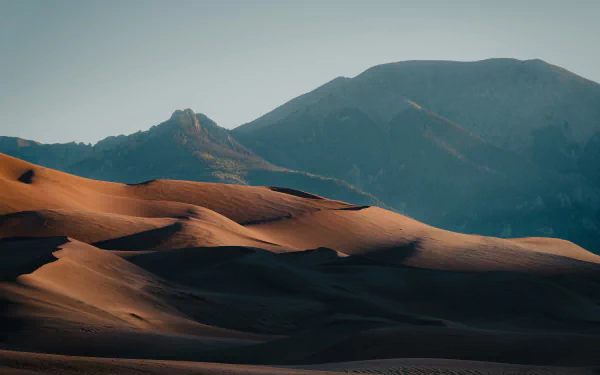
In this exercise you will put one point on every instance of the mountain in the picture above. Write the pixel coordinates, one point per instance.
(500, 100)
(498, 147)
(58, 155)
(188, 146)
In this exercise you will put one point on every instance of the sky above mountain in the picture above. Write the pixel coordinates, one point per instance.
(84, 70)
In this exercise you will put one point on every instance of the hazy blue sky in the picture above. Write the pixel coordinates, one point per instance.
(82, 70)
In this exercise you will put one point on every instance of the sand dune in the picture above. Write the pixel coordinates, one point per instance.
(50, 189)
(114, 231)
(382, 234)
(51, 203)
(182, 277)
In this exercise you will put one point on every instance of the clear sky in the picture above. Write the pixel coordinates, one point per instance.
(83, 70)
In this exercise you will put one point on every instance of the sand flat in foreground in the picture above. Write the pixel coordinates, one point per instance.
(20, 363)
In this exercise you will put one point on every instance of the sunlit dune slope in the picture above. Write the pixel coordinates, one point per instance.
(162, 215)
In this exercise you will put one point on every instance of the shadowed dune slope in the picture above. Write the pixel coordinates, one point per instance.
(252, 306)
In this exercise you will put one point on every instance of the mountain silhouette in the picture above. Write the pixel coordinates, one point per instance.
(188, 146)
(498, 147)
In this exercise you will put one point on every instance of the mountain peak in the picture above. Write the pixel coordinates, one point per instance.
(186, 118)
(189, 120)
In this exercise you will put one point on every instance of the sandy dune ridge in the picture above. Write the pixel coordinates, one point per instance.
(175, 276)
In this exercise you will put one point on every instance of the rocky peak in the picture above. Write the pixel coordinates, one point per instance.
(186, 118)
(191, 122)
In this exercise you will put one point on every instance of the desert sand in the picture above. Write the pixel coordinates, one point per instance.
(184, 277)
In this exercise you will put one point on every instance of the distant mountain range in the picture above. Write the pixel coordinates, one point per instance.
(188, 146)
(498, 147)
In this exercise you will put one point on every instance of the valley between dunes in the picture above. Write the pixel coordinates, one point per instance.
(186, 277)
